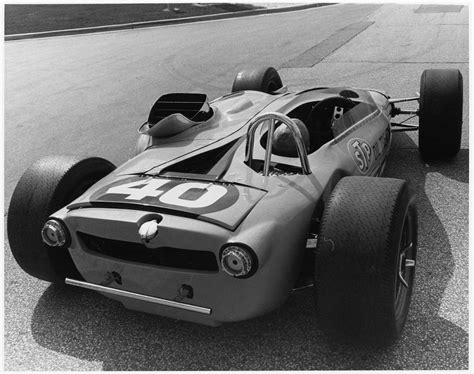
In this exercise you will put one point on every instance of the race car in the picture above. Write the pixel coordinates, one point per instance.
(229, 205)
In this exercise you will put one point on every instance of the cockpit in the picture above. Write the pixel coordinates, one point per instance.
(321, 121)
(303, 130)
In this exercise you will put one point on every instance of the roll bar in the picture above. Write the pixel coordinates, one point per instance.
(273, 117)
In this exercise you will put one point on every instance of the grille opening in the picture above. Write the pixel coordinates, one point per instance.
(139, 253)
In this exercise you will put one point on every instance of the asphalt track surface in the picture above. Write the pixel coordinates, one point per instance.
(88, 94)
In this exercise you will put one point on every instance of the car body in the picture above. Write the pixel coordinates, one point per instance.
(273, 215)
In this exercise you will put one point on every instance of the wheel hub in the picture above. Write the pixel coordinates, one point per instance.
(405, 263)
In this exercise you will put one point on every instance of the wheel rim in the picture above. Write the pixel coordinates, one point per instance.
(405, 267)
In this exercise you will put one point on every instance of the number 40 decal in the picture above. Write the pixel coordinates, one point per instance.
(208, 193)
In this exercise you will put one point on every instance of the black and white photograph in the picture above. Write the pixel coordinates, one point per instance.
(236, 186)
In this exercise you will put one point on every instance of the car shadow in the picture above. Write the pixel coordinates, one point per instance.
(88, 326)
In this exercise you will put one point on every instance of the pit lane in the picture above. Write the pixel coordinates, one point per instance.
(88, 94)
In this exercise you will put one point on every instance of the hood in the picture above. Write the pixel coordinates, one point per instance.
(223, 204)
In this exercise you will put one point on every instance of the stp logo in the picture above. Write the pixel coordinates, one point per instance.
(361, 153)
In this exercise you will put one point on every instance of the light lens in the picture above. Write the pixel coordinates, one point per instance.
(54, 233)
(236, 261)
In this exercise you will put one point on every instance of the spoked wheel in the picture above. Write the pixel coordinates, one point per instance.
(406, 268)
(365, 260)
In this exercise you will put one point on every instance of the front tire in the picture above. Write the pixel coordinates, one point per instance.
(45, 187)
(440, 115)
(365, 258)
(264, 79)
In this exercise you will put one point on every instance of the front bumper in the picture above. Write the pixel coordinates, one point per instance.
(216, 296)
(136, 296)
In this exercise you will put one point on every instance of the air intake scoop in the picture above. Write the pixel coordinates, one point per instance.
(174, 113)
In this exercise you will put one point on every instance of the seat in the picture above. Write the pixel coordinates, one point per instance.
(320, 120)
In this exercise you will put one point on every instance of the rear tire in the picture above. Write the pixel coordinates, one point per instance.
(440, 116)
(364, 242)
(264, 79)
(45, 187)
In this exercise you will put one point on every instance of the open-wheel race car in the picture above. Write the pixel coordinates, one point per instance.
(229, 205)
